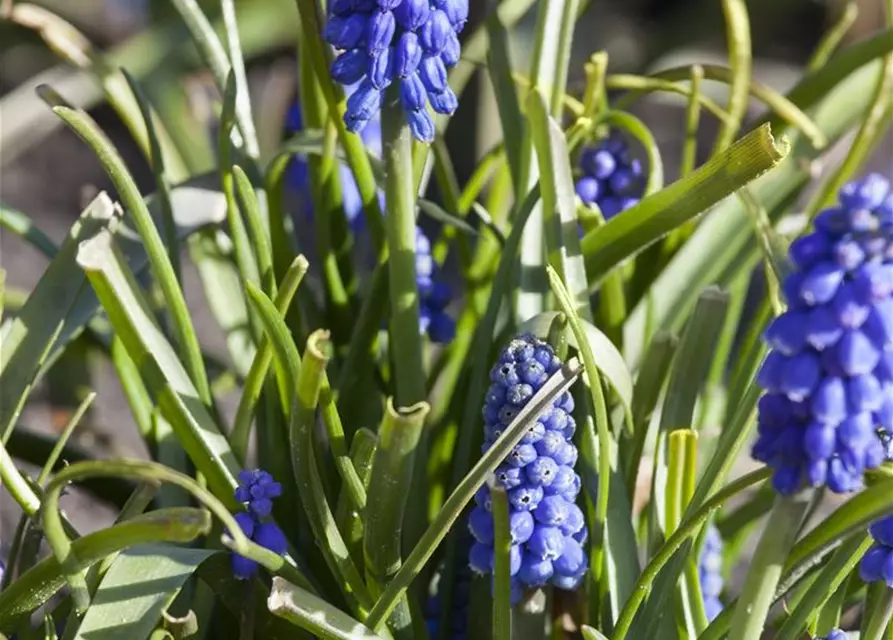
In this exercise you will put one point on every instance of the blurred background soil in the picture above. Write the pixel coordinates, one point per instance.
(48, 173)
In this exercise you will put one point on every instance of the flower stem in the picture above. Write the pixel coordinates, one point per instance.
(879, 618)
(405, 339)
(765, 569)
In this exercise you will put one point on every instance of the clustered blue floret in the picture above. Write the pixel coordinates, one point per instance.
(835, 634)
(829, 373)
(256, 491)
(547, 527)
(710, 572)
(298, 177)
(877, 563)
(434, 294)
(610, 177)
(412, 42)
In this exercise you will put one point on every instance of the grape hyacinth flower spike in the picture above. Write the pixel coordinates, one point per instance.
(256, 491)
(408, 42)
(547, 527)
(710, 572)
(609, 177)
(828, 377)
(877, 563)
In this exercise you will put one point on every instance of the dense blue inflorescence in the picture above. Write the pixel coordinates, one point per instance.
(434, 294)
(829, 373)
(877, 563)
(610, 178)
(410, 42)
(256, 491)
(835, 634)
(547, 527)
(710, 572)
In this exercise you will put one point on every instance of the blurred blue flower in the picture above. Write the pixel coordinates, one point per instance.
(710, 572)
(610, 178)
(547, 528)
(412, 42)
(828, 376)
(877, 563)
(835, 634)
(256, 491)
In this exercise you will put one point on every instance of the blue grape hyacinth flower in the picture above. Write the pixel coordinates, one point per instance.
(298, 177)
(547, 527)
(835, 634)
(877, 563)
(256, 491)
(710, 572)
(409, 42)
(610, 178)
(434, 294)
(828, 377)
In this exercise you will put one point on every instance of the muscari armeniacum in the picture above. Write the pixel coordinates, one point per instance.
(829, 373)
(546, 526)
(256, 491)
(408, 42)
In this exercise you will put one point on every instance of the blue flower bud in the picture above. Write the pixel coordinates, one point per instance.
(480, 558)
(808, 250)
(380, 31)
(412, 14)
(521, 526)
(546, 542)
(444, 103)
(421, 125)
(350, 66)
(541, 471)
(856, 354)
(572, 561)
(821, 283)
(552, 510)
(408, 55)
(412, 93)
(381, 69)
(433, 74)
(456, 11)
(526, 497)
(452, 52)
(535, 571)
(588, 189)
(509, 477)
(364, 102)
(480, 523)
(345, 32)
(436, 32)
(800, 375)
(829, 402)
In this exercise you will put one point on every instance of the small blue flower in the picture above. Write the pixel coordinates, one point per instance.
(411, 42)
(546, 526)
(609, 177)
(835, 634)
(829, 385)
(256, 491)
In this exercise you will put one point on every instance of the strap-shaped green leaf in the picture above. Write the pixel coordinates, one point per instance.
(137, 588)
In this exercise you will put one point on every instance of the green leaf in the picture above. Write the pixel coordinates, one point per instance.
(28, 338)
(591, 633)
(502, 586)
(608, 359)
(162, 371)
(137, 588)
(436, 212)
(21, 224)
(559, 205)
(623, 236)
(35, 587)
(499, 68)
(317, 616)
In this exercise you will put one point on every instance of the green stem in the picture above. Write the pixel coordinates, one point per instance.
(16, 484)
(502, 597)
(389, 487)
(880, 617)
(738, 34)
(766, 567)
(405, 338)
(832, 39)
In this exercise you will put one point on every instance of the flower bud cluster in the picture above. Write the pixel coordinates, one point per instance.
(547, 528)
(410, 42)
(829, 373)
(256, 491)
(610, 178)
